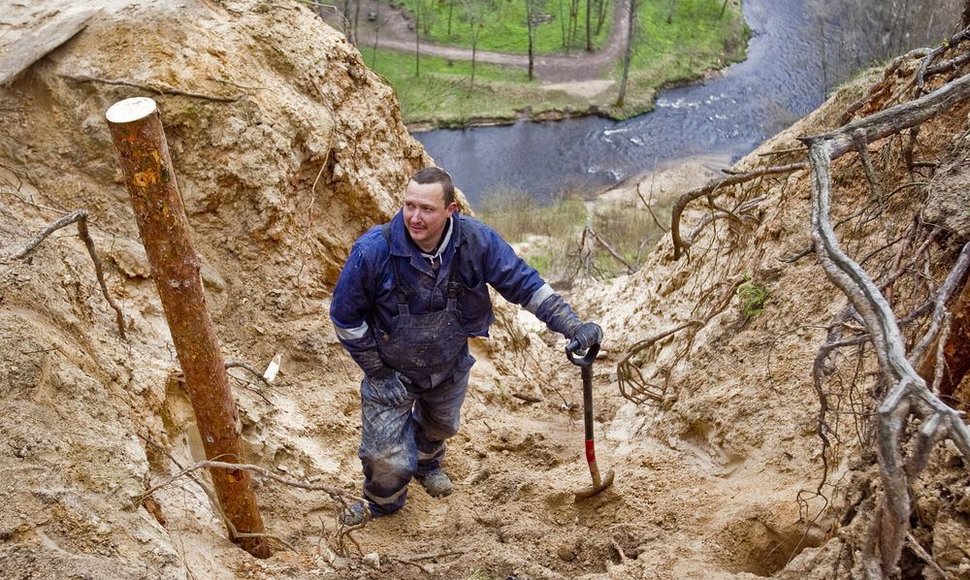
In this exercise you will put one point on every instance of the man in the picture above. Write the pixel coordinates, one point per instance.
(409, 296)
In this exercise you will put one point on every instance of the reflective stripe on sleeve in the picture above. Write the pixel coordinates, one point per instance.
(355, 333)
(539, 297)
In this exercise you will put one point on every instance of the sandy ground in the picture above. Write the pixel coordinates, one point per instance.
(286, 148)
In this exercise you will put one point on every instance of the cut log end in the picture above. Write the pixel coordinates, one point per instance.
(128, 110)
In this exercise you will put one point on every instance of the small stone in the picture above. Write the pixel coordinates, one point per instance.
(566, 553)
(373, 560)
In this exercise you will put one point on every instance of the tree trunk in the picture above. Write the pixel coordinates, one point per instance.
(136, 128)
(417, 40)
(628, 51)
(589, 26)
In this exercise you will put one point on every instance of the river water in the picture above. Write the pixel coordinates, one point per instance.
(797, 49)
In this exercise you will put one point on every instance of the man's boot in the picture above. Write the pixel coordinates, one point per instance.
(437, 483)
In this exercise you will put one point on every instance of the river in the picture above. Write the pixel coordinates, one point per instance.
(798, 50)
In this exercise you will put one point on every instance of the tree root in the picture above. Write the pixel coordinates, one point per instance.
(908, 397)
(681, 245)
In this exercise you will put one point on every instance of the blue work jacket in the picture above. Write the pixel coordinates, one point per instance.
(367, 293)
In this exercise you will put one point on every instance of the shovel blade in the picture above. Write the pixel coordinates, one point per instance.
(606, 482)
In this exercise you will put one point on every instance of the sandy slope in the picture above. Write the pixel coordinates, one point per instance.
(303, 150)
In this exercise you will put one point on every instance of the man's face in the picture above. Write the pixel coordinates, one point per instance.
(425, 213)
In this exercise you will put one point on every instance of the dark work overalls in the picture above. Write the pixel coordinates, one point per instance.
(430, 351)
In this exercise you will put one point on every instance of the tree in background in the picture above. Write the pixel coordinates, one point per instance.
(601, 9)
(569, 23)
(628, 51)
(533, 18)
(881, 29)
(474, 12)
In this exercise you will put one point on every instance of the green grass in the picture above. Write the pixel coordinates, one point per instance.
(443, 93)
(502, 24)
(697, 39)
(516, 214)
(753, 297)
(554, 229)
(551, 234)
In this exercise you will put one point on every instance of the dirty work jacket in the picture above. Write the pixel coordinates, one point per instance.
(366, 296)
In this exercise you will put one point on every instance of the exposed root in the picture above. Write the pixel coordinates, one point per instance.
(907, 397)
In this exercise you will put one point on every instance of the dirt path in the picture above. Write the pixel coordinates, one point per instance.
(392, 30)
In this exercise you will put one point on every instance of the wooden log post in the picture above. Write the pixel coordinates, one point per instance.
(136, 128)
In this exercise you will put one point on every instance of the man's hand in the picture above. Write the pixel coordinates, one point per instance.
(389, 390)
(588, 334)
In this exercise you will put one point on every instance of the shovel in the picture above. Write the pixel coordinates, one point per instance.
(585, 363)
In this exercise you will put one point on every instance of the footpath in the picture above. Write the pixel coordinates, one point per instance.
(391, 28)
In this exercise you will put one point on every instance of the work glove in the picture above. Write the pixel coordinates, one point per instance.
(370, 362)
(560, 318)
(388, 390)
(587, 334)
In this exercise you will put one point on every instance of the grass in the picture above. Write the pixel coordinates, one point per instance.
(551, 230)
(696, 39)
(549, 235)
(502, 24)
(443, 93)
(753, 297)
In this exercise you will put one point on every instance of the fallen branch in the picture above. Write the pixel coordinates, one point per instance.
(883, 87)
(895, 119)
(80, 217)
(334, 492)
(210, 493)
(246, 366)
(646, 204)
(606, 246)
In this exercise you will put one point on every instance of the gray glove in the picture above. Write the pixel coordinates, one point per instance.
(588, 334)
(388, 390)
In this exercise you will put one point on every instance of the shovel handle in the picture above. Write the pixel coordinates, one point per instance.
(581, 359)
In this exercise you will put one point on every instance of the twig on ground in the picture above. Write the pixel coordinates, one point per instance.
(243, 365)
(79, 217)
(158, 89)
(646, 204)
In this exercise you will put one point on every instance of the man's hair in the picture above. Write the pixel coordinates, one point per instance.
(436, 175)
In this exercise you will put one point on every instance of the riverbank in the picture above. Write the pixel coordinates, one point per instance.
(443, 88)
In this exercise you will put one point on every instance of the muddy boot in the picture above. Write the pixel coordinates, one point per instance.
(437, 483)
(354, 514)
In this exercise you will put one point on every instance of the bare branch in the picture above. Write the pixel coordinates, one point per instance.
(895, 119)
(154, 88)
(80, 217)
(928, 59)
